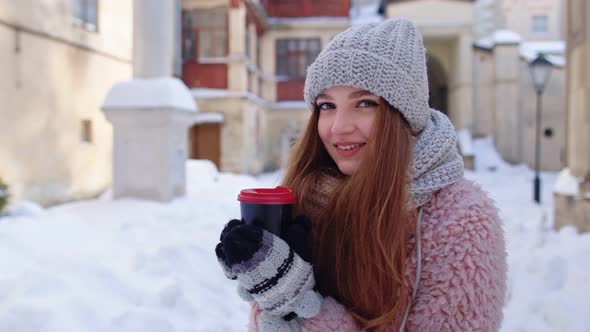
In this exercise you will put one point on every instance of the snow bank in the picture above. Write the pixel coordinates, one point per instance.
(464, 139)
(548, 283)
(24, 209)
(567, 184)
(125, 265)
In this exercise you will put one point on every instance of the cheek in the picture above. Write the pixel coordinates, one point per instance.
(367, 126)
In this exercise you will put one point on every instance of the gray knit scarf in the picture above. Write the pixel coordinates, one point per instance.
(436, 162)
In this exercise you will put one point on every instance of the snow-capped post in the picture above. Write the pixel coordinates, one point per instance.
(151, 113)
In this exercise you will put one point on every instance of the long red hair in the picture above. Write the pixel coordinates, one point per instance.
(359, 241)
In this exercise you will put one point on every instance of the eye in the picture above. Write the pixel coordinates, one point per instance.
(367, 103)
(326, 106)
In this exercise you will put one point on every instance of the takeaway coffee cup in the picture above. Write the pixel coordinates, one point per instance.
(269, 208)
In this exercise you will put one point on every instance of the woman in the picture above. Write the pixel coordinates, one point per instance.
(399, 240)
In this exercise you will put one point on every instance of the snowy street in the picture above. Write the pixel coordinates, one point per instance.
(132, 266)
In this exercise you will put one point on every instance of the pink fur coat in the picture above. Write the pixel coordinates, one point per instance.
(463, 280)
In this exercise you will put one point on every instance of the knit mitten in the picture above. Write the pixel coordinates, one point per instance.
(269, 272)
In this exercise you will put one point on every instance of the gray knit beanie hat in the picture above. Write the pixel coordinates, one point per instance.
(387, 58)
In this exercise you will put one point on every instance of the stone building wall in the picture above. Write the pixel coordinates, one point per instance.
(55, 76)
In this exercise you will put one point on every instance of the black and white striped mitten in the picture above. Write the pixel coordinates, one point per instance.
(269, 272)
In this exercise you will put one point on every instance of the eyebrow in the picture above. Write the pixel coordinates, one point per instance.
(359, 94)
(353, 95)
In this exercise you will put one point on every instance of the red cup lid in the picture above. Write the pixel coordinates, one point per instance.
(278, 195)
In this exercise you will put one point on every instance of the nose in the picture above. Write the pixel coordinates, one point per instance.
(343, 123)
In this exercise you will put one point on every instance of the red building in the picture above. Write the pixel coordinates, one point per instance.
(247, 60)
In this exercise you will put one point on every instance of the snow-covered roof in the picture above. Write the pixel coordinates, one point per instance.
(289, 105)
(362, 14)
(204, 93)
(506, 37)
(209, 117)
(207, 93)
(529, 50)
(162, 92)
(553, 50)
(487, 43)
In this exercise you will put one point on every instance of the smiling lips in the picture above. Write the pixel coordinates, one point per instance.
(348, 149)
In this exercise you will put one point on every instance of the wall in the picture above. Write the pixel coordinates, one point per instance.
(487, 17)
(438, 11)
(552, 116)
(54, 76)
(325, 31)
(282, 121)
(574, 209)
(518, 15)
(484, 96)
(447, 30)
(578, 89)
(242, 138)
(507, 116)
(306, 8)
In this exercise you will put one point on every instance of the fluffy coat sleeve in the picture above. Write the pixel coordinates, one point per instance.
(463, 281)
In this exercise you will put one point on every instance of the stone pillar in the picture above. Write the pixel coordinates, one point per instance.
(151, 114)
(462, 88)
(237, 66)
(507, 131)
(484, 96)
(572, 191)
(150, 120)
(154, 37)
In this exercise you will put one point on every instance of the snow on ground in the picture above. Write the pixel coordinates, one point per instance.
(131, 265)
(549, 271)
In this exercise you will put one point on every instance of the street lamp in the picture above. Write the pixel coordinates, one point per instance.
(540, 70)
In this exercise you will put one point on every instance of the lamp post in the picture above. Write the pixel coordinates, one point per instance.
(540, 70)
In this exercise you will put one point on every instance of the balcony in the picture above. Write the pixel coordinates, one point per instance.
(306, 8)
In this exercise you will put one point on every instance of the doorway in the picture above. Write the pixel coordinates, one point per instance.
(205, 142)
(437, 85)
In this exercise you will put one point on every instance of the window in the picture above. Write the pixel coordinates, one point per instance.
(539, 24)
(86, 131)
(294, 56)
(204, 33)
(85, 14)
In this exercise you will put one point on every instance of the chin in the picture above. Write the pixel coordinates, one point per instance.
(347, 169)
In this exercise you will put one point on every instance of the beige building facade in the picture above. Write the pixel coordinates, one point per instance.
(572, 192)
(262, 69)
(504, 95)
(447, 28)
(58, 60)
(533, 20)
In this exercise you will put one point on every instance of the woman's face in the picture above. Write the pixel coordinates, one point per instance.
(345, 124)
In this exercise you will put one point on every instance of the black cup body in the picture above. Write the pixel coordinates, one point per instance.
(271, 217)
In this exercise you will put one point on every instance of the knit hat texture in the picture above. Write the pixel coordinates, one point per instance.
(387, 58)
